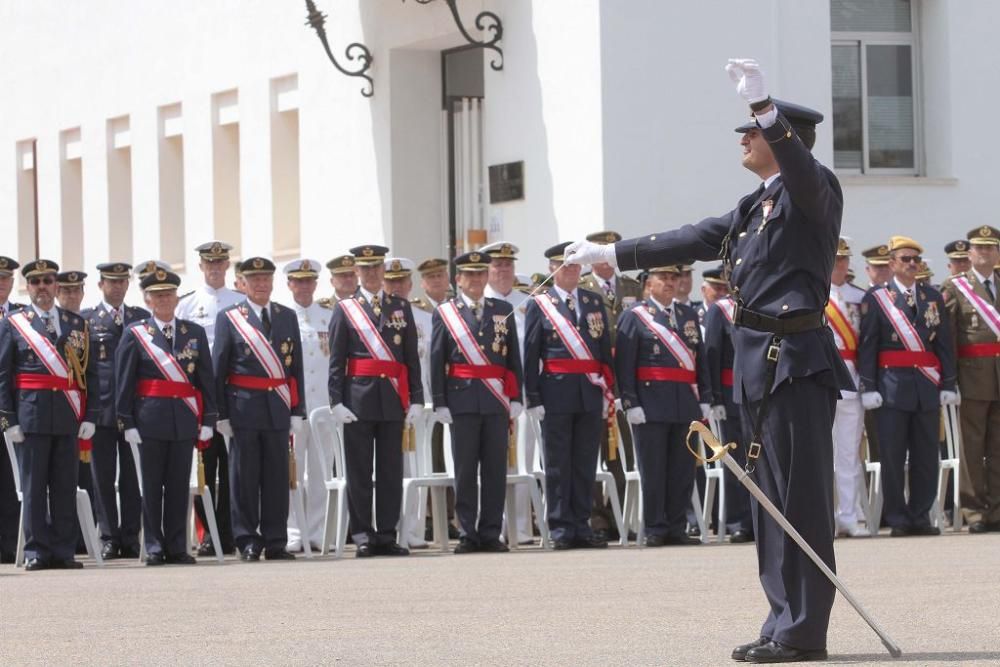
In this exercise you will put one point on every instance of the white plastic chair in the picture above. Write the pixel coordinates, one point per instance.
(88, 528)
(610, 491)
(437, 482)
(714, 481)
(871, 499)
(325, 429)
(531, 479)
(949, 465)
(632, 515)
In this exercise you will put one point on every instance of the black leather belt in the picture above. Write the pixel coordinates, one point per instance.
(744, 317)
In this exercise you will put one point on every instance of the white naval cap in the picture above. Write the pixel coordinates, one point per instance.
(398, 267)
(500, 250)
(302, 268)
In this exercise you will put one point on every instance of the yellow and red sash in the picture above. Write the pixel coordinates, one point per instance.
(843, 333)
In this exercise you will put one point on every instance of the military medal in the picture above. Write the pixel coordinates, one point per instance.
(975, 321)
(288, 360)
(656, 348)
(931, 316)
(65, 317)
(496, 346)
(190, 367)
(284, 347)
(184, 329)
(397, 339)
(103, 354)
(585, 299)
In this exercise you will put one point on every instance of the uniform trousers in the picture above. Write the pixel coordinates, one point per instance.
(10, 508)
(48, 465)
(479, 449)
(166, 486)
(795, 471)
(258, 471)
(667, 472)
(847, 467)
(738, 515)
(571, 442)
(111, 462)
(901, 432)
(216, 461)
(980, 460)
(311, 477)
(374, 446)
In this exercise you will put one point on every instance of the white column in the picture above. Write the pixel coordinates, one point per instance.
(49, 196)
(196, 120)
(256, 206)
(145, 184)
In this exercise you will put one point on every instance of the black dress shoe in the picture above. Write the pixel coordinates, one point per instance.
(741, 536)
(110, 551)
(978, 527)
(69, 564)
(562, 545)
(393, 549)
(250, 554)
(155, 559)
(899, 531)
(602, 534)
(656, 540)
(694, 531)
(775, 652)
(592, 542)
(740, 652)
(993, 526)
(181, 559)
(466, 546)
(206, 549)
(36, 564)
(364, 551)
(6, 557)
(453, 533)
(494, 547)
(925, 530)
(278, 554)
(129, 552)
(680, 540)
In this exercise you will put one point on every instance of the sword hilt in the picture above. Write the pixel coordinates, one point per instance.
(718, 449)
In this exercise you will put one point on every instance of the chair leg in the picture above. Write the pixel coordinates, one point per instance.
(956, 503)
(706, 511)
(510, 515)
(611, 492)
(341, 522)
(698, 514)
(439, 507)
(543, 526)
(721, 532)
(299, 509)
(88, 528)
(403, 537)
(327, 517)
(213, 527)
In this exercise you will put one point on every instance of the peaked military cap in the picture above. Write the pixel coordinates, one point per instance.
(369, 255)
(605, 237)
(302, 268)
(115, 270)
(957, 249)
(214, 251)
(713, 276)
(877, 255)
(522, 280)
(70, 278)
(984, 235)
(39, 267)
(557, 252)
(924, 271)
(904, 242)
(685, 268)
(477, 260)
(843, 248)
(252, 266)
(160, 280)
(7, 266)
(341, 264)
(501, 250)
(670, 268)
(143, 269)
(797, 115)
(432, 265)
(398, 267)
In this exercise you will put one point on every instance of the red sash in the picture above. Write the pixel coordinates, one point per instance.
(490, 372)
(905, 358)
(259, 383)
(150, 388)
(726, 377)
(663, 374)
(398, 373)
(975, 350)
(910, 339)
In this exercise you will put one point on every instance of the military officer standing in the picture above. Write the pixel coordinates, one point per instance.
(779, 242)
(877, 265)
(374, 388)
(663, 379)
(165, 399)
(69, 290)
(112, 463)
(906, 364)
(685, 284)
(202, 307)
(44, 373)
(569, 384)
(10, 508)
(974, 317)
(434, 281)
(314, 344)
(257, 359)
(714, 286)
(476, 378)
(843, 316)
(343, 279)
(958, 257)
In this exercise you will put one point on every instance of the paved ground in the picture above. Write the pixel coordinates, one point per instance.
(939, 598)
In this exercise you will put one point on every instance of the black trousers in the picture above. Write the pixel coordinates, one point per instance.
(738, 515)
(571, 442)
(111, 461)
(383, 442)
(479, 449)
(667, 471)
(258, 468)
(900, 432)
(216, 460)
(10, 508)
(166, 484)
(48, 466)
(795, 471)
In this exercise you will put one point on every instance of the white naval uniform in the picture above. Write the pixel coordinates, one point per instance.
(203, 305)
(848, 423)
(525, 436)
(314, 331)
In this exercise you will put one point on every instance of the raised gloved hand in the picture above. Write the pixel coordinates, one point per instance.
(587, 252)
(223, 427)
(87, 430)
(14, 434)
(298, 426)
(950, 398)
(636, 416)
(871, 400)
(342, 415)
(516, 409)
(706, 411)
(442, 415)
(538, 412)
(718, 413)
(205, 433)
(132, 436)
(413, 414)
(749, 80)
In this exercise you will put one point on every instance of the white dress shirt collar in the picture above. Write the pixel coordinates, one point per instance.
(563, 293)
(258, 309)
(983, 279)
(660, 305)
(161, 324)
(54, 314)
(369, 296)
(770, 179)
(901, 288)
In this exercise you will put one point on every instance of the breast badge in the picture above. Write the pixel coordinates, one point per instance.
(190, 367)
(691, 332)
(396, 321)
(932, 316)
(595, 325)
(288, 360)
(397, 339)
(656, 348)
(324, 343)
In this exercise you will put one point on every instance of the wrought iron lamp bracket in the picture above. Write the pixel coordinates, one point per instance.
(485, 21)
(355, 51)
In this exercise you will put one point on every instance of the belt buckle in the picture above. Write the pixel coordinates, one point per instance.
(772, 353)
(754, 450)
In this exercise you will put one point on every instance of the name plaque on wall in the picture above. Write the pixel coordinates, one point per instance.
(506, 182)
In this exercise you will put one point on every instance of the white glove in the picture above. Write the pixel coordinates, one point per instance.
(871, 400)
(718, 412)
(636, 416)
(516, 409)
(87, 430)
(413, 414)
(706, 411)
(586, 252)
(298, 426)
(342, 415)
(538, 412)
(205, 433)
(950, 398)
(132, 436)
(223, 427)
(442, 415)
(749, 80)
(14, 434)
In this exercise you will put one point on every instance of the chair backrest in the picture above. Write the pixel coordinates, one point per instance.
(449, 460)
(324, 429)
(423, 433)
(623, 446)
(536, 428)
(952, 431)
(15, 470)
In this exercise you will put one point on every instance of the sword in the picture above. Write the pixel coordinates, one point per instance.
(533, 292)
(720, 452)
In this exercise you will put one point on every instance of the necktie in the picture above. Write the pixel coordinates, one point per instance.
(265, 321)
(909, 299)
(989, 289)
(477, 310)
(116, 315)
(609, 289)
(168, 332)
(571, 304)
(377, 305)
(50, 326)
